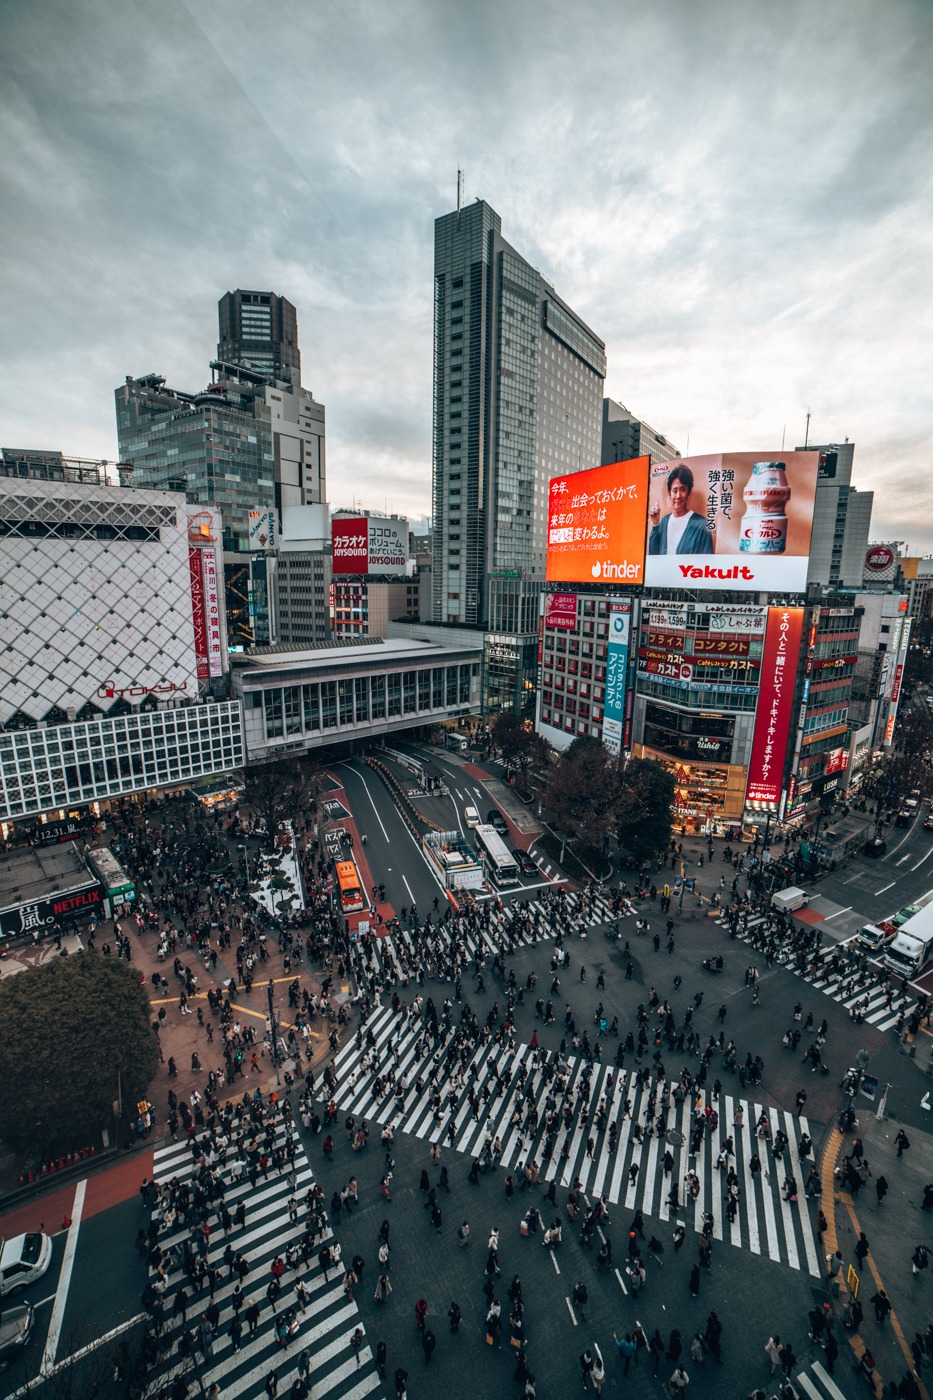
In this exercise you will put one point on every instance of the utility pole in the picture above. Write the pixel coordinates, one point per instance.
(273, 1030)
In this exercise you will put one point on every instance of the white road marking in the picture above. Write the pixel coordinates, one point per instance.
(885, 887)
(64, 1280)
(837, 913)
(573, 1317)
(922, 859)
(369, 795)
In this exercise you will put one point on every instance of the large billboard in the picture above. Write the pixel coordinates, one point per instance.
(620, 614)
(736, 520)
(775, 706)
(369, 544)
(596, 524)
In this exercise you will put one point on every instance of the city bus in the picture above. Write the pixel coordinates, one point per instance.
(501, 866)
(119, 889)
(348, 885)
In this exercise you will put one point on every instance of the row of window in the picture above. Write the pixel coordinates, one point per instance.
(320, 705)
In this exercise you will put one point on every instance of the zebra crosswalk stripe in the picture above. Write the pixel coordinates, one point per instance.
(327, 1321)
(838, 986)
(764, 1221)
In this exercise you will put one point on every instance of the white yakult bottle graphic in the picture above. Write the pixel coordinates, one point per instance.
(764, 527)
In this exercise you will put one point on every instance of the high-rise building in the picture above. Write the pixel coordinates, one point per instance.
(250, 443)
(841, 520)
(625, 437)
(518, 381)
(259, 331)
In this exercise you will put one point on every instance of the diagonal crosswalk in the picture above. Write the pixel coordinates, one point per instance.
(598, 1131)
(326, 1321)
(879, 1006)
(815, 1383)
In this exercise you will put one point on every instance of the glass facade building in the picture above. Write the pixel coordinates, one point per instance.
(517, 400)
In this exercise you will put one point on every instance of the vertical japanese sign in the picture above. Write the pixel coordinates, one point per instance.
(197, 613)
(212, 611)
(620, 616)
(775, 705)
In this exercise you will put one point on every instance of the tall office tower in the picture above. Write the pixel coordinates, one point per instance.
(625, 436)
(841, 520)
(259, 330)
(518, 381)
(248, 443)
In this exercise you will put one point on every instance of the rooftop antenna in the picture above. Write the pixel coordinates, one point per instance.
(459, 192)
(806, 437)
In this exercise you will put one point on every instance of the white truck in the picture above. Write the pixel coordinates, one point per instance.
(912, 946)
(790, 899)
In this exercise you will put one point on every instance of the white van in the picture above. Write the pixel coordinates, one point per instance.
(471, 815)
(790, 899)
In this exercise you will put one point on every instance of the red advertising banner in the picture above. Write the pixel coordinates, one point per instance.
(896, 689)
(212, 611)
(197, 613)
(775, 705)
(350, 545)
(560, 611)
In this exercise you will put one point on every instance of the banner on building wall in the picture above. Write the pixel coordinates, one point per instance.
(197, 613)
(620, 618)
(896, 687)
(596, 524)
(740, 520)
(212, 611)
(749, 621)
(560, 611)
(775, 706)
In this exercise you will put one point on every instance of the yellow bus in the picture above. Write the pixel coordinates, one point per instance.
(348, 883)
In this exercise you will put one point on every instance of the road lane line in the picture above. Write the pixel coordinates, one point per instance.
(837, 913)
(885, 887)
(922, 859)
(359, 775)
(64, 1280)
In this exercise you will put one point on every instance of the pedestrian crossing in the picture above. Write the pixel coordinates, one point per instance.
(326, 1321)
(815, 1383)
(517, 924)
(878, 1008)
(510, 1088)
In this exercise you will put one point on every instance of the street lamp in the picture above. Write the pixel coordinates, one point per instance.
(270, 986)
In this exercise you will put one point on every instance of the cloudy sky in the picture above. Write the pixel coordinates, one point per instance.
(737, 198)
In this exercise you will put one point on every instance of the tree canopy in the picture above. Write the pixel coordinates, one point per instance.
(280, 789)
(522, 748)
(69, 1028)
(582, 793)
(643, 812)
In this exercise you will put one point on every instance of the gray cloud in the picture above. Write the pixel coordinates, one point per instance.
(737, 201)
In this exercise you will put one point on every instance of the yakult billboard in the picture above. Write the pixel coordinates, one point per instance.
(736, 520)
(368, 544)
(596, 524)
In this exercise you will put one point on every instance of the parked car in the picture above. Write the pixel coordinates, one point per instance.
(15, 1331)
(23, 1259)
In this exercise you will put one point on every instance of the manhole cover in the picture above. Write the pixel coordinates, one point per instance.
(675, 1137)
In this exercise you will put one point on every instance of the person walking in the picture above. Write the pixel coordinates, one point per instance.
(901, 1142)
(678, 1383)
(773, 1350)
(861, 1248)
(356, 1343)
(882, 1306)
(428, 1343)
(586, 1366)
(788, 1359)
(881, 1188)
